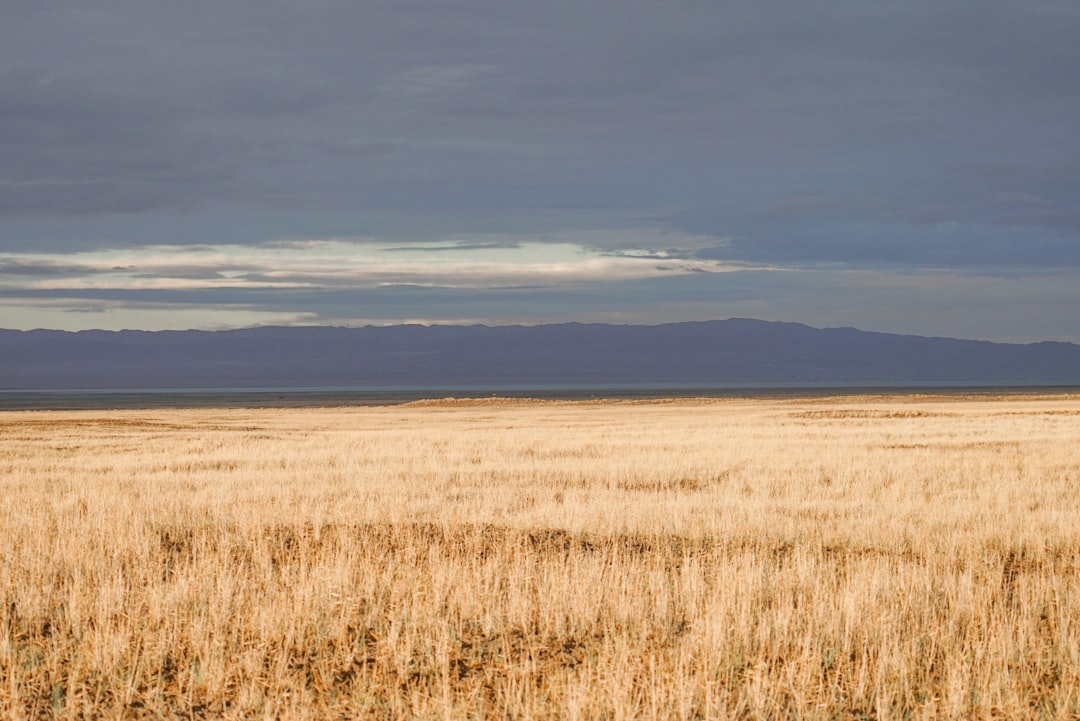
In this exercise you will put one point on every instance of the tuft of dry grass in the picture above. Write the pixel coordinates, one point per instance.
(849, 558)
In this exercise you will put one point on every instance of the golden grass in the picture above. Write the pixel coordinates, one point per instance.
(860, 557)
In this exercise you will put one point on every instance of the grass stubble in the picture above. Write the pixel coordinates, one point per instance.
(858, 557)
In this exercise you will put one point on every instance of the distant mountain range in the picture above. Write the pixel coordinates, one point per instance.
(735, 351)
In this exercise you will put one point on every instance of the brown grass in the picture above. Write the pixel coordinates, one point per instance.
(845, 558)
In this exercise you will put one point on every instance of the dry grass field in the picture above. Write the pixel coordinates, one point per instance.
(858, 557)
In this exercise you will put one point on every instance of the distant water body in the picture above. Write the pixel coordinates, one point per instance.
(364, 396)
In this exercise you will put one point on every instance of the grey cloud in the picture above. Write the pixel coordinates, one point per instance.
(16, 267)
(72, 150)
(817, 135)
(870, 245)
(192, 272)
(1009, 209)
(258, 96)
(494, 245)
(378, 104)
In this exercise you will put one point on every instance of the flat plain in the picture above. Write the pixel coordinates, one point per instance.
(851, 557)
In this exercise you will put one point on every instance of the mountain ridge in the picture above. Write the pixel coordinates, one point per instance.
(736, 350)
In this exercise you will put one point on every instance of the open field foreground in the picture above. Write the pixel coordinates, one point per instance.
(858, 557)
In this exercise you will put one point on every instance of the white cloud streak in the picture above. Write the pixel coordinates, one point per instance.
(338, 263)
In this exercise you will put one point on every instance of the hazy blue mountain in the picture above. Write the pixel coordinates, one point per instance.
(728, 351)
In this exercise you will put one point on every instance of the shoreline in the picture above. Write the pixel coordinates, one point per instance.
(124, 399)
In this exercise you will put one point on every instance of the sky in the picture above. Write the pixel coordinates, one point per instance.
(902, 167)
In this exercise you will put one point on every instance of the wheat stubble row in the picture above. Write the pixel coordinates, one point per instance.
(831, 558)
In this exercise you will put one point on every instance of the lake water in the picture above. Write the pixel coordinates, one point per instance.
(364, 396)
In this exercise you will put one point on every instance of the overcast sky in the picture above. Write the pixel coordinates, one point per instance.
(907, 167)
